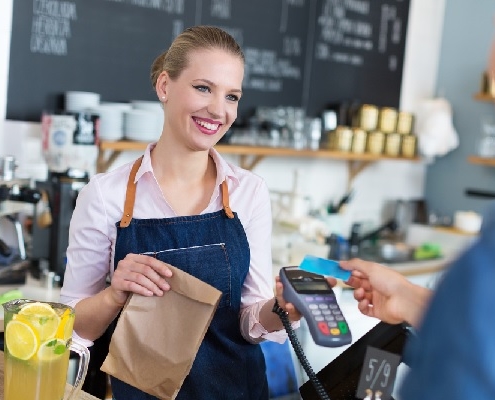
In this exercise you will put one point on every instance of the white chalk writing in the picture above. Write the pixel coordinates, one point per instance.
(345, 32)
(221, 9)
(54, 8)
(264, 70)
(168, 6)
(50, 27)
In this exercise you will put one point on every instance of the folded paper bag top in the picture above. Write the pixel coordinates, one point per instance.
(162, 334)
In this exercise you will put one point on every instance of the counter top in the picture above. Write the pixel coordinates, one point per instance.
(82, 395)
(289, 248)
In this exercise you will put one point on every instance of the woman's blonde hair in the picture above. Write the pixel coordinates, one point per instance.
(202, 37)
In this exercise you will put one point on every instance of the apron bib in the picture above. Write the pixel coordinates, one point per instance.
(212, 247)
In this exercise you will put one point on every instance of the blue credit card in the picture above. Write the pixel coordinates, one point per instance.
(323, 266)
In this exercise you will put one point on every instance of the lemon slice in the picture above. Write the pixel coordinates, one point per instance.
(21, 340)
(64, 330)
(52, 349)
(42, 317)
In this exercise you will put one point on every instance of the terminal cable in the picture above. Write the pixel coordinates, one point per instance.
(320, 390)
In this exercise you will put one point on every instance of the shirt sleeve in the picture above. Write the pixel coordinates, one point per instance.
(89, 249)
(259, 284)
(252, 329)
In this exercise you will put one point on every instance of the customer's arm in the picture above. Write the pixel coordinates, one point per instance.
(386, 294)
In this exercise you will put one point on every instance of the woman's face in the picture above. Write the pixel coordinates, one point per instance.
(201, 104)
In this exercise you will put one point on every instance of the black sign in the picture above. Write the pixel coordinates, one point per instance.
(301, 53)
(378, 374)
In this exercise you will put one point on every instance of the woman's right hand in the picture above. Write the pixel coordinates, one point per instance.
(141, 274)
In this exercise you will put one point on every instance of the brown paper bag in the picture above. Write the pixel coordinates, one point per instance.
(156, 338)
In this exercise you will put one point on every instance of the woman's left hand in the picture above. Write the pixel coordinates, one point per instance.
(292, 311)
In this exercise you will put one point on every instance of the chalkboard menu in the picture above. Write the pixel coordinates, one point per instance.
(301, 53)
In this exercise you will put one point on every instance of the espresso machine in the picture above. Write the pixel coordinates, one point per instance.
(14, 261)
(50, 239)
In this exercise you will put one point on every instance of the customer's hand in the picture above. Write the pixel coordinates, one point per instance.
(141, 274)
(384, 293)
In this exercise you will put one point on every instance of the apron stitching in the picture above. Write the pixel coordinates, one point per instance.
(224, 248)
(160, 221)
(155, 253)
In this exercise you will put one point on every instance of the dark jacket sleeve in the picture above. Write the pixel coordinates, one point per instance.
(453, 354)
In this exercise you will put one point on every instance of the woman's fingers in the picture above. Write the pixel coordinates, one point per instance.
(142, 274)
(294, 314)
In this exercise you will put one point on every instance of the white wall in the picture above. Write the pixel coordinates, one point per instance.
(322, 180)
(5, 30)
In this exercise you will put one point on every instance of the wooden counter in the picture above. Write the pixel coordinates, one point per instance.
(82, 395)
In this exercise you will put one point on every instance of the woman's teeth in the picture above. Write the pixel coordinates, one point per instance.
(207, 125)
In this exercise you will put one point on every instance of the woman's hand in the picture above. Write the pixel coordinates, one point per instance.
(141, 274)
(292, 311)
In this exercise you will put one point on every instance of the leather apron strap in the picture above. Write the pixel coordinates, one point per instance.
(225, 199)
(130, 196)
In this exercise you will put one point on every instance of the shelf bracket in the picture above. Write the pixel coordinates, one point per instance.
(249, 162)
(102, 164)
(354, 168)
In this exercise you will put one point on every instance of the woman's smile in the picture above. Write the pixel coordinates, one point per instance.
(206, 126)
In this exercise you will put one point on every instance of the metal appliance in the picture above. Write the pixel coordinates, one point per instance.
(50, 241)
(13, 256)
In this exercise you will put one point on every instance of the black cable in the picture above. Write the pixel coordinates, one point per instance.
(320, 390)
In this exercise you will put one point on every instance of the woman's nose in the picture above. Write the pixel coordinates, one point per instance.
(216, 107)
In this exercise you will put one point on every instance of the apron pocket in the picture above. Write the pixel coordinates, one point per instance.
(208, 263)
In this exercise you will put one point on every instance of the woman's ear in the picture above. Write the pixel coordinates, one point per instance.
(161, 86)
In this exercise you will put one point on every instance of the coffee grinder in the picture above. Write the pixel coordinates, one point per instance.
(50, 241)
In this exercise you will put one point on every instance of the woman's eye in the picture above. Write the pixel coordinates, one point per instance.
(233, 97)
(202, 88)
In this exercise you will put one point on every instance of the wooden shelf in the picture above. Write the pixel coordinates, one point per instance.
(489, 162)
(250, 156)
(484, 97)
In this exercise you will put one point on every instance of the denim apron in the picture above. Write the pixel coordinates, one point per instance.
(212, 247)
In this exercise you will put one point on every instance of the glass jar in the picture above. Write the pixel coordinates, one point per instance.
(376, 142)
(358, 140)
(405, 123)
(392, 144)
(343, 138)
(388, 120)
(486, 146)
(368, 117)
(408, 147)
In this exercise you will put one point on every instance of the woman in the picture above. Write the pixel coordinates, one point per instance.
(177, 199)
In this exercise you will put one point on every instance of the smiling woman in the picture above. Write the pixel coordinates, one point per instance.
(181, 185)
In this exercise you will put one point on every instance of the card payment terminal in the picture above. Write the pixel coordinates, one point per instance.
(314, 298)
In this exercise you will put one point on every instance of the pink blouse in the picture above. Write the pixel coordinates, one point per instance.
(92, 233)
